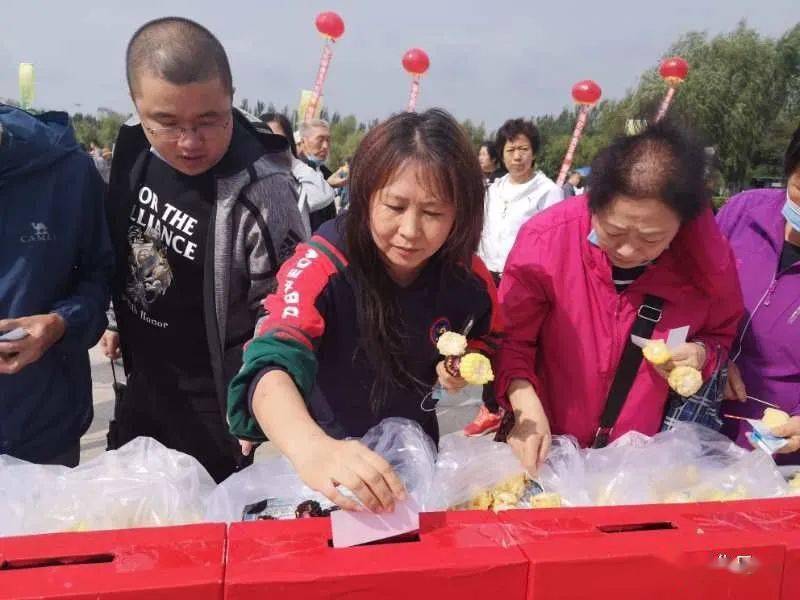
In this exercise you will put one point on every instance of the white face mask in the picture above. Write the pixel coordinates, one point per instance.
(791, 213)
(314, 159)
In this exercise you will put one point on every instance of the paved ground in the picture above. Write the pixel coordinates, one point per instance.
(94, 442)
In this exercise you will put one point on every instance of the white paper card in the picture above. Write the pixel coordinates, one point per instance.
(677, 336)
(762, 437)
(350, 528)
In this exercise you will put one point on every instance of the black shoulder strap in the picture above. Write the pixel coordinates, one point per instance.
(649, 314)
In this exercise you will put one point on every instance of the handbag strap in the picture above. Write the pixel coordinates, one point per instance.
(646, 318)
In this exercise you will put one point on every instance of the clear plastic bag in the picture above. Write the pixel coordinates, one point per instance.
(409, 450)
(401, 442)
(273, 478)
(139, 485)
(468, 466)
(689, 463)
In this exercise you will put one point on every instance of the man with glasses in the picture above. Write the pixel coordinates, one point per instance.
(203, 211)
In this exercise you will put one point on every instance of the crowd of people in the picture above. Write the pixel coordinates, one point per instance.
(257, 295)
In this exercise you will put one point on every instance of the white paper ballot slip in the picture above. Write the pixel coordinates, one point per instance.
(350, 528)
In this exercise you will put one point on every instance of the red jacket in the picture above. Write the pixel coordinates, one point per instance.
(566, 326)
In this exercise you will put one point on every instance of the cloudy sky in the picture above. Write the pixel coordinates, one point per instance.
(490, 59)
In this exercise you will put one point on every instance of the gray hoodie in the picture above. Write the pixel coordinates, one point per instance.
(254, 228)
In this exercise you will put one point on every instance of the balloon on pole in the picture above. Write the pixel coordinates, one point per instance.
(416, 63)
(585, 94)
(331, 27)
(673, 71)
(25, 85)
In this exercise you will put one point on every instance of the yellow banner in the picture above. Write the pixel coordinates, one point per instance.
(305, 99)
(26, 85)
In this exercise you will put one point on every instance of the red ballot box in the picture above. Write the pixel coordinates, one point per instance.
(456, 555)
(778, 518)
(678, 551)
(155, 563)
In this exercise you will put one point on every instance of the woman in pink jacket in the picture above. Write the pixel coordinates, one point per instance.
(578, 275)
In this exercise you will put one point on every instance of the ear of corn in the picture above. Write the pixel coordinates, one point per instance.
(476, 369)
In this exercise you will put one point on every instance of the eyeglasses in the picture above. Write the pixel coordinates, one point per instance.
(173, 134)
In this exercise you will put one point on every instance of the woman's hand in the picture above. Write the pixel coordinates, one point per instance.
(530, 438)
(791, 432)
(734, 386)
(447, 381)
(689, 354)
(324, 463)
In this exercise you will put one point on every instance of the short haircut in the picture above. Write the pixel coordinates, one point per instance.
(514, 127)
(275, 117)
(663, 162)
(179, 51)
(307, 126)
(791, 160)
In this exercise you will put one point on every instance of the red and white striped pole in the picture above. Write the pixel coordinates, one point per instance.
(416, 63)
(412, 97)
(673, 71)
(586, 94)
(331, 27)
(322, 72)
(583, 116)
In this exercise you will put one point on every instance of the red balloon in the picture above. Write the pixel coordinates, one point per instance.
(330, 25)
(586, 92)
(674, 70)
(416, 61)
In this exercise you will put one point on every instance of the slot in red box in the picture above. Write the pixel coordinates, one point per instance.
(652, 551)
(156, 563)
(456, 555)
(778, 518)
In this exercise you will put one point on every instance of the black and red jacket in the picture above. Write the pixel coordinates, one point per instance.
(311, 331)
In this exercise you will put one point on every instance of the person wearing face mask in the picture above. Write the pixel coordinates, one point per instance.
(314, 192)
(314, 150)
(643, 247)
(763, 227)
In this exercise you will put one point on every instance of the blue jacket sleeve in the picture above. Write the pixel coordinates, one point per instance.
(84, 309)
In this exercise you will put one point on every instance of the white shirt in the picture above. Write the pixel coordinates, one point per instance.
(314, 192)
(507, 207)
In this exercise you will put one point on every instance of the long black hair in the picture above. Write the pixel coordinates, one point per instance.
(436, 142)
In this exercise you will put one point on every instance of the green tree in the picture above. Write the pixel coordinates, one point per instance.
(476, 133)
(346, 135)
(100, 129)
(734, 92)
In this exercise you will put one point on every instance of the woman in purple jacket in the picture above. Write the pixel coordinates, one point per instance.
(763, 227)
